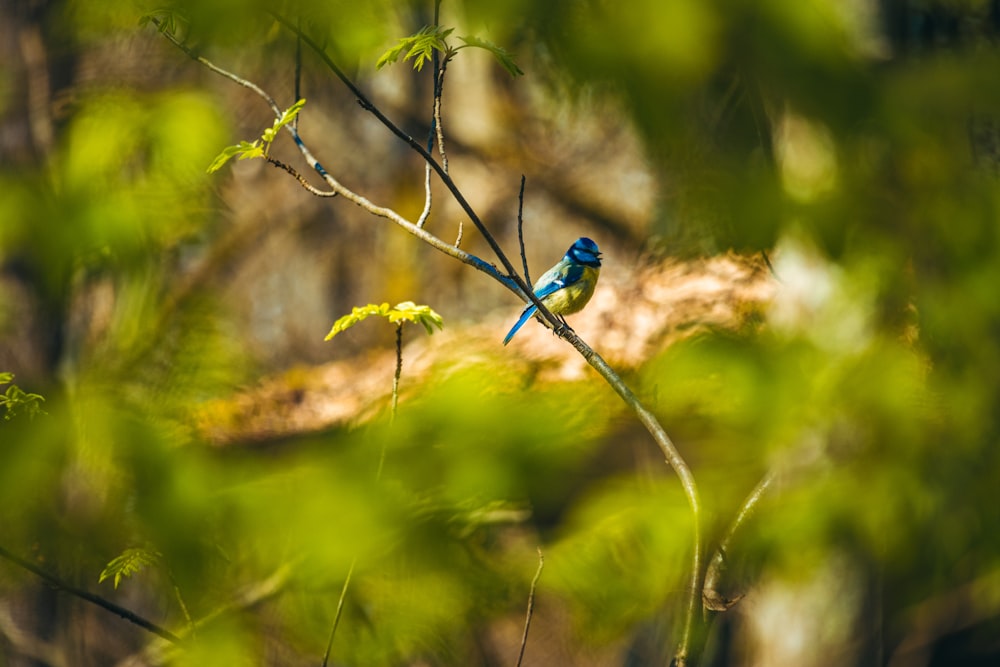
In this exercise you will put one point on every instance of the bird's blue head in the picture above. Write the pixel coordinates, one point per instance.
(584, 251)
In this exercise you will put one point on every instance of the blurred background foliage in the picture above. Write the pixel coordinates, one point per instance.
(855, 142)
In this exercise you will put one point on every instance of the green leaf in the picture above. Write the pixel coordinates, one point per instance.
(245, 150)
(287, 117)
(15, 400)
(356, 315)
(420, 47)
(130, 562)
(259, 148)
(502, 55)
(407, 311)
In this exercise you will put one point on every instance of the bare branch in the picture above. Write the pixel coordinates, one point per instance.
(712, 596)
(438, 94)
(531, 606)
(424, 214)
(218, 70)
(61, 585)
(790, 466)
(435, 122)
(676, 461)
(160, 652)
(298, 72)
(512, 280)
(301, 179)
(520, 230)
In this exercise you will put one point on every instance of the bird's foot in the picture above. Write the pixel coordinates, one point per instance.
(563, 328)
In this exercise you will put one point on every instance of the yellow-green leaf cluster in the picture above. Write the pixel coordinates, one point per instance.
(419, 46)
(246, 150)
(131, 561)
(406, 311)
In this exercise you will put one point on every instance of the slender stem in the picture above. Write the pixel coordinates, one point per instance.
(180, 601)
(399, 368)
(436, 123)
(378, 476)
(438, 95)
(298, 69)
(424, 214)
(676, 461)
(218, 70)
(520, 230)
(435, 58)
(395, 395)
(61, 585)
(340, 610)
(300, 178)
(531, 606)
(511, 282)
(712, 597)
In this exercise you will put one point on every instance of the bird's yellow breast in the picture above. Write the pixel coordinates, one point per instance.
(572, 299)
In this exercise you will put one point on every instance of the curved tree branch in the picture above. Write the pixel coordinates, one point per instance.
(712, 595)
(61, 585)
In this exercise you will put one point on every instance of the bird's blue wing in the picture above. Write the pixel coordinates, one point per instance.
(558, 277)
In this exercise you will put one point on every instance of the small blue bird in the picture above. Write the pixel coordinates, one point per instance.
(566, 287)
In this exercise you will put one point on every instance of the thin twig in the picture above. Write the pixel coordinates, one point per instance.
(298, 70)
(770, 267)
(531, 606)
(711, 595)
(512, 282)
(159, 652)
(520, 230)
(795, 462)
(680, 467)
(399, 369)
(435, 58)
(438, 95)
(378, 476)
(61, 585)
(436, 124)
(301, 179)
(180, 601)
(340, 610)
(425, 213)
(292, 128)
(395, 395)
(512, 279)
(218, 70)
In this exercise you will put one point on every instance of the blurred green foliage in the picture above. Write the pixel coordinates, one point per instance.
(868, 168)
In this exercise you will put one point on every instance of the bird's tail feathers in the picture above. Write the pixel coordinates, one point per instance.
(525, 316)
